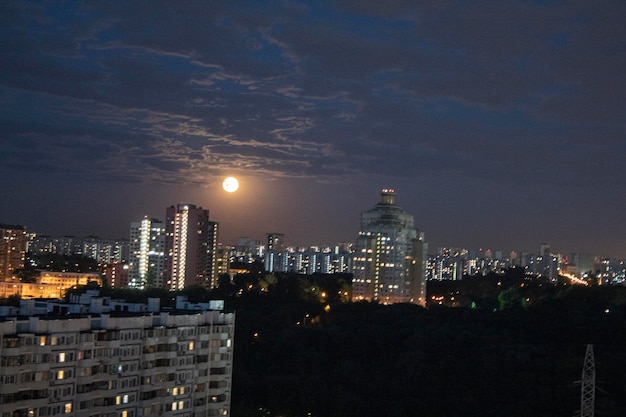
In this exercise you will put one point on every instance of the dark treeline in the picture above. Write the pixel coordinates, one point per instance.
(294, 358)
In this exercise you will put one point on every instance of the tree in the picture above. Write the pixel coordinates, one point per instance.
(510, 298)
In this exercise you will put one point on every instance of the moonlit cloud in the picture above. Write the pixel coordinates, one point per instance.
(526, 94)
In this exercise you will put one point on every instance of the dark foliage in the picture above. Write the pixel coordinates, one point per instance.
(366, 359)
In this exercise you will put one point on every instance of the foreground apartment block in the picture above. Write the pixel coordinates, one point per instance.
(105, 358)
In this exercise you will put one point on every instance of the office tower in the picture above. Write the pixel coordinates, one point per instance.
(13, 240)
(147, 253)
(190, 247)
(390, 258)
(274, 253)
(98, 356)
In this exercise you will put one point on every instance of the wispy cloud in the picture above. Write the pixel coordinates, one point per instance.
(169, 92)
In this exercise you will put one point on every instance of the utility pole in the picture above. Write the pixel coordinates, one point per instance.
(588, 385)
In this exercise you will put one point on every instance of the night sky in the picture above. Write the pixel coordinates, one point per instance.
(500, 124)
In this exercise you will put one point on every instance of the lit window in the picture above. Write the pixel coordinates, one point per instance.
(60, 374)
(68, 408)
(61, 357)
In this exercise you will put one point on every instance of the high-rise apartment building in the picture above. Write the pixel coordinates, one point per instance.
(147, 253)
(274, 257)
(117, 275)
(13, 241)
(213, 256)
(190, 248)
(105, 251)
(584, 262)
(102, 357)
(391, 254)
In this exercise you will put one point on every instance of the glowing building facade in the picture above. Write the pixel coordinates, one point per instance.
(275, 259)
(49, 284)
(190, 248)
(147, 253)
(13, 240)
(390, 258)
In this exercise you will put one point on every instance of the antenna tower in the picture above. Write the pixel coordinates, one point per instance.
(588, 385)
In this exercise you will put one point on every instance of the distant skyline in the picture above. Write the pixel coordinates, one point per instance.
(500, 125)
(432, 250)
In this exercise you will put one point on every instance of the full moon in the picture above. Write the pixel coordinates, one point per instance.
(230, 184)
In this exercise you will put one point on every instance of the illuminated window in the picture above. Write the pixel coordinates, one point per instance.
(68, 408)
(191, 345)
(61, 357)
(60, 374)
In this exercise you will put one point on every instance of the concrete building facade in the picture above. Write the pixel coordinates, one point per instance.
(147, 253)
(391, 255)
(190, 248)
(13, 241)
(97, 357)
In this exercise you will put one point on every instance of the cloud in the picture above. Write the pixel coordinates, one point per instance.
(171, 92)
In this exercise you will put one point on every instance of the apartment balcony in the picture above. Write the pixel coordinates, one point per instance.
(219, 392)
(31, 385)
(26, 403)
(12, 351)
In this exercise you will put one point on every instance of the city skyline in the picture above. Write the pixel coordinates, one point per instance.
(499, 125)
(112, 247)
